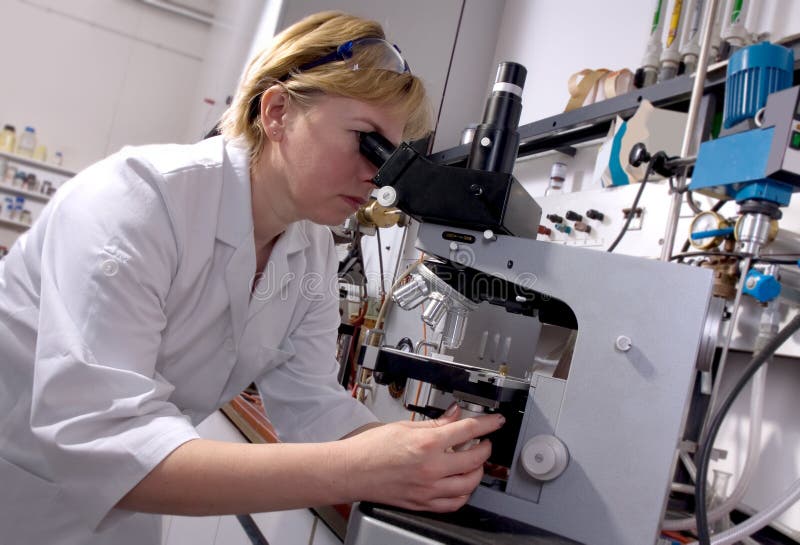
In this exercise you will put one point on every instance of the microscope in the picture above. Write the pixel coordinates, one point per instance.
(588, 453)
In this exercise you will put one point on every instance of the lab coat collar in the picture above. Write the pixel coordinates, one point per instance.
(235, 228)
(235, 223)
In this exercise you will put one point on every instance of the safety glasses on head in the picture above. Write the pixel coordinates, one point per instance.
(361, 54)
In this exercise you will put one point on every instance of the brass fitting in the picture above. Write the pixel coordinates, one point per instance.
(373, 214)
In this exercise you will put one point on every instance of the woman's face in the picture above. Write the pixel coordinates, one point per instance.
(325, 175)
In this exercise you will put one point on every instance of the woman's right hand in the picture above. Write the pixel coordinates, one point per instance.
(413, 464)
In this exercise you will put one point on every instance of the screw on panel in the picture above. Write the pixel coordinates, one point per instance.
(623, 343)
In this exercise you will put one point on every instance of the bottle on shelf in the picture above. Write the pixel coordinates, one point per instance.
(19, 179)
(19, 206)
(8, 139)
(9, 174)
(27, 142)
(8, 208)
(58, 158)
(40, 153)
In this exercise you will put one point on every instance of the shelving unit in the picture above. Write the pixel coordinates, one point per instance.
(28, 194)
(28, 162)
(563, 131)
(56, 174)
(13, 224)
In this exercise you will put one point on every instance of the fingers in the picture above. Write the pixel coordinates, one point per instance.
(452, 414)
(458, 485)
(448, 494)
(468, 460)
(446, 505)
(455, 433)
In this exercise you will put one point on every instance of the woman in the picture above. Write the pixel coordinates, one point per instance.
(161, 281)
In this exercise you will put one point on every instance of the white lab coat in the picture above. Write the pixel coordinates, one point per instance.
(126, 318)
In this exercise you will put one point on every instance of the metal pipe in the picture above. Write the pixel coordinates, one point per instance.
(688, 147)
(745, 267)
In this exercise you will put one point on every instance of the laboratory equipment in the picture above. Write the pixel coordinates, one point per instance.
(589, 451)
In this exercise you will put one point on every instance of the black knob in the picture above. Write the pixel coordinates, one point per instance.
(595, 215)
(573, 216)
(638, 155)
(555, 218)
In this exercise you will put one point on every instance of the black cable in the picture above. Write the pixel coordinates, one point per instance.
(447, 78)
(705, 254)
(380, 258)
(632, 212)
(777, 259)
(704, 454)
(690, 201)
(252, 530)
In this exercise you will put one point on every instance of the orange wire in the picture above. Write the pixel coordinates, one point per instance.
(676, 536)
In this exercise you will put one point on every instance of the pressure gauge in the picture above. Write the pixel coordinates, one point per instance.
(708, 230)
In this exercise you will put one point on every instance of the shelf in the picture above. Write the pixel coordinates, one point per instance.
(33, 195)
(14, 224)
(565, 130)
(27, 161)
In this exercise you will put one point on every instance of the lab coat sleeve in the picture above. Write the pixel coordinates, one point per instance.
(100, 409)
(302, 397)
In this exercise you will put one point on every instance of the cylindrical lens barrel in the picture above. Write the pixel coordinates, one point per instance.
(375, 147)
(494, 146)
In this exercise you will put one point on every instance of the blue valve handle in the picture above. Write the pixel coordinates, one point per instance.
(762, 287)
(713, 233)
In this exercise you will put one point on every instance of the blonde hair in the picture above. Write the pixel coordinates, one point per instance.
(306, 41)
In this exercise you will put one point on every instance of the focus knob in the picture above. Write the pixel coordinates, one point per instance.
(387, 196)
(544, 457)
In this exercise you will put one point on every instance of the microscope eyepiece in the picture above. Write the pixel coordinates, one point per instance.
(494, 146)
(510, 78)
(375, 147)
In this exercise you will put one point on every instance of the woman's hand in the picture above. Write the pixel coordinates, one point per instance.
(413, 465)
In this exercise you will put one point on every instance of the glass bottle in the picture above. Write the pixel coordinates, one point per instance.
(8, 139)
(27, 142)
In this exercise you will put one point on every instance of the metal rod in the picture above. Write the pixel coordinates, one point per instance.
(688, 146)
(726, 347)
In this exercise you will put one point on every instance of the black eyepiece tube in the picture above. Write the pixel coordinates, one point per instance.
(375, 147)
(494, 146)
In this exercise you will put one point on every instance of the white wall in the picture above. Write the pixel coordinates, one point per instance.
(227, 53)
(553, 40)
(94, 75)
(472, 72)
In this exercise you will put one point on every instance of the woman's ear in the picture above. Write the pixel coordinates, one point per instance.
(274, 106)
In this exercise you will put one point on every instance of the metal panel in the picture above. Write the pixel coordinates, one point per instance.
(621, 413)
